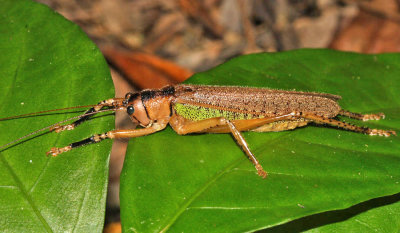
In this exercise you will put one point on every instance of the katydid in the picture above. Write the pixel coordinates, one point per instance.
(220, 109)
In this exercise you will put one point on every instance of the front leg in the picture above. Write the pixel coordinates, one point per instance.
(128, 133)
(114, 102)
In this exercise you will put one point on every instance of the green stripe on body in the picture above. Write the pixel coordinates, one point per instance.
(197, 113)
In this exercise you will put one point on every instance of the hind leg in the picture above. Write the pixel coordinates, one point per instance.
(344, 125)
(363, 117)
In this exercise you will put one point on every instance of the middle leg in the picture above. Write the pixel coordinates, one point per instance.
(222, 125)
(129, 133)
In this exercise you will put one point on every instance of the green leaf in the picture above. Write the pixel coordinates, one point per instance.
(376, 215)
(205, 183)
(47, 62)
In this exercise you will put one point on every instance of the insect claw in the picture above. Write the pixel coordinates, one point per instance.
(53, 152)
(376, 116)
(381, 132)
(60, 128)
(54, 128)
(56, 151)
(261, 172)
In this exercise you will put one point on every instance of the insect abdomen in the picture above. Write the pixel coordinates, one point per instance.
(281, 125)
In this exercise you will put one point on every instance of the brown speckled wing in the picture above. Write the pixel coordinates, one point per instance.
(258, 101)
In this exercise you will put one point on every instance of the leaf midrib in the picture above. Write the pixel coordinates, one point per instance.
(25, 194)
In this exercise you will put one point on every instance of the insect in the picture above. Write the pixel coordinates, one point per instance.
(220, 109)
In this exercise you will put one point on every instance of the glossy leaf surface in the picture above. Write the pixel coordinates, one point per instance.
(47, 62)
(205, 183)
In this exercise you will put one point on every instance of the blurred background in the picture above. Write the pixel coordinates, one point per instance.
(153, 43)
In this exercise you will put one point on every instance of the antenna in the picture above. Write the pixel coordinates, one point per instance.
(51, 126)
(37, 113)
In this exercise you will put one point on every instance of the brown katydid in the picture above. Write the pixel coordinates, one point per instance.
(220, 109)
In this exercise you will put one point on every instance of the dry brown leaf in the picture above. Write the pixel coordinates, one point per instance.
(369, 33)
(145, 70)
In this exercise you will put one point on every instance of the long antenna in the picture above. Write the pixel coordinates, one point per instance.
(55, 124)
(52, 110)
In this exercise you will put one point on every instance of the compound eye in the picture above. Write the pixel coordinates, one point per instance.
(130, 109)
